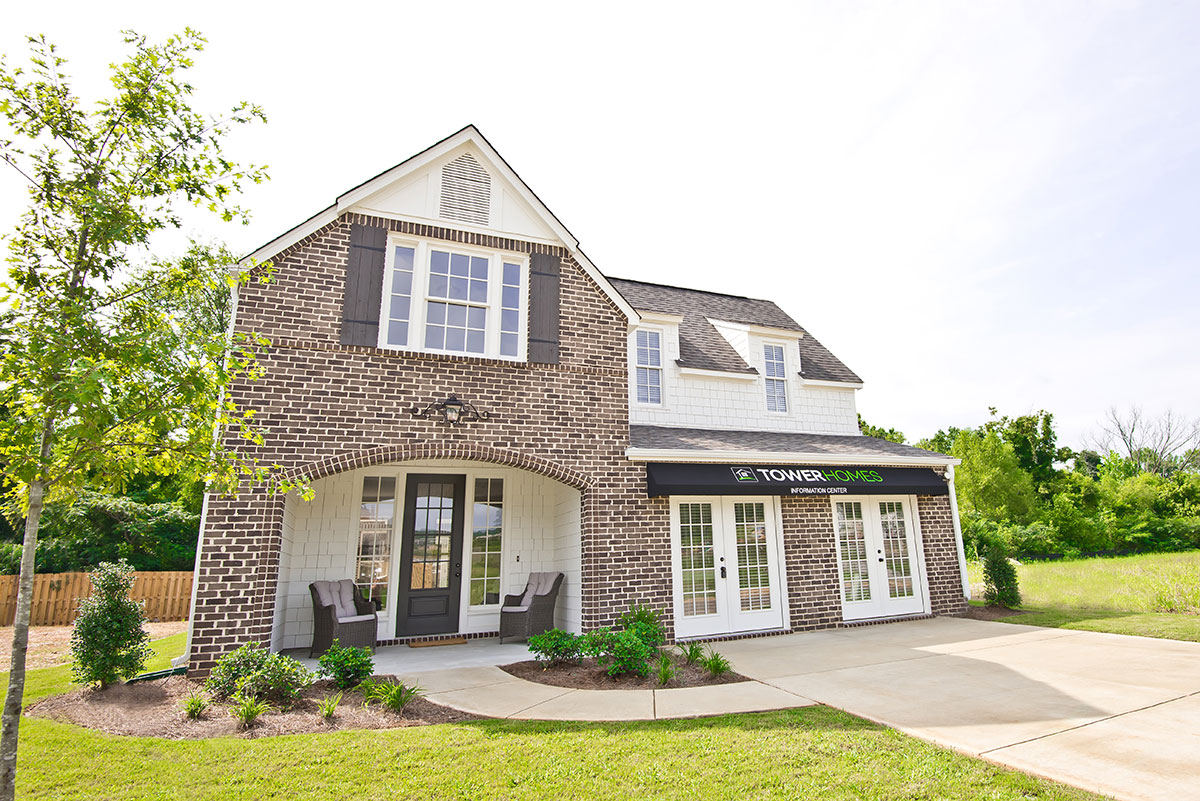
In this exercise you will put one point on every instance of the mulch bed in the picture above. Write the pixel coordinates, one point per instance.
(990, 612)
(590, 676)
(152, 709)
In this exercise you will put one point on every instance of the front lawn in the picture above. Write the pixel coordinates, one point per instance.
(815, 752)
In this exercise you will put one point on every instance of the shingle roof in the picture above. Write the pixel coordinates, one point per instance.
(702, 346)
(696, 439)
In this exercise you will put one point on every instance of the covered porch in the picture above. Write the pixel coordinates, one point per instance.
(434, 545)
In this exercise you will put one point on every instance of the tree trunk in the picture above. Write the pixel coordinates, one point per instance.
(11, 719)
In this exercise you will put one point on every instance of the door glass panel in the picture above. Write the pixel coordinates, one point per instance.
(852, 548)
(432, 536)
(486, 533)
(754, 584)
(895, 549)
(375, 538)
(697, 560)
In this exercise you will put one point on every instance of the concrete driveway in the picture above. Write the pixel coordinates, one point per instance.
(1112, 714)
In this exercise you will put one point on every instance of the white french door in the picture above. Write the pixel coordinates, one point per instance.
(725, 555)
(877, 557)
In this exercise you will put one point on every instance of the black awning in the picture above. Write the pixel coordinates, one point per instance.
(664, 478)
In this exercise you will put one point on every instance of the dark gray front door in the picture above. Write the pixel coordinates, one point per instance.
(430, 556)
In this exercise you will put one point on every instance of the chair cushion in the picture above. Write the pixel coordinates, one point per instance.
(339, 595)
(355, 618)
(539, 584)
(514, 609)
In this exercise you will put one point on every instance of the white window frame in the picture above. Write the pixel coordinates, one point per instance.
(787, 385)
(662, 366)
(418, 306)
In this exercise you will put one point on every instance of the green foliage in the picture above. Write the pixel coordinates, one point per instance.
(391, 695)
(645, 622)
(889, 434)
(108, 641)
(195, 705)
(999, 577)
(254, 671)
(247, 709)
(626, 652)
(715, 663)
(665, 669)
(348, 667)
(990, 483)
(692, 652)
(596, 642)
(555, 647)
(328, 707)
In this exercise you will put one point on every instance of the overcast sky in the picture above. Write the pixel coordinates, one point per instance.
(972, 204)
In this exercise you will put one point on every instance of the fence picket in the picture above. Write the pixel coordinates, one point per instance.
(56, 596)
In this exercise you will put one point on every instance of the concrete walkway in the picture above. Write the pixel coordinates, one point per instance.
(1113, 714)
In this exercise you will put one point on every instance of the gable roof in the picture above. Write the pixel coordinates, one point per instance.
(704, 444)
(469, 134)
(703, 347)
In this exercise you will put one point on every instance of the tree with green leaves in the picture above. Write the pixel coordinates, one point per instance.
(890, 434)
(110, 367)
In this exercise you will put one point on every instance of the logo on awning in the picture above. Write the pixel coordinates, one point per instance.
(744, 474)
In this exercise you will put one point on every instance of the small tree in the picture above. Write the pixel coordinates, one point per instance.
(108, 642)
(999, 576)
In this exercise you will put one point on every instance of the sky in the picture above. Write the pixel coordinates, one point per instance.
(972, 204)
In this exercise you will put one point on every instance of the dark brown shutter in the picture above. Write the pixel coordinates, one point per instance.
(364, 285)
(543, 308)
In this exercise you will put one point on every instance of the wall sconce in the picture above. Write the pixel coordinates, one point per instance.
(452, 410)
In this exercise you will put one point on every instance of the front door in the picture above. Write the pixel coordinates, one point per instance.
(431, 555)
(726, 566)
(877, 558)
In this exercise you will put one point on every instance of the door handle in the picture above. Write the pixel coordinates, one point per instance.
(458, 570)
(722, 571)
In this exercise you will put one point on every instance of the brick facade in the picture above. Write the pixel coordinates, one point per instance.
(324, 408)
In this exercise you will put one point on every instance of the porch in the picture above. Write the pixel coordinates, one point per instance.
(435, 545)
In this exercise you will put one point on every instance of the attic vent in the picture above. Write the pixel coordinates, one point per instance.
(466, 191)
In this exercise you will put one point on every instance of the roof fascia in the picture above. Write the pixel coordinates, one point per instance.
(815, 382)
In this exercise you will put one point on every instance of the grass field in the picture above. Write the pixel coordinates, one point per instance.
(1150, 595)
(815, 752)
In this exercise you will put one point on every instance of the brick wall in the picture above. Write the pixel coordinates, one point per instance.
(941, 555)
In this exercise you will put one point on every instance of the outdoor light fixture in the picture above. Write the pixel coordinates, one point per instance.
(452, 410)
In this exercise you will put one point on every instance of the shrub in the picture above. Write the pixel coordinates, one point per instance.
(555, 647)
(626, 652)
(348, 667)
(253, 670)
(666, 669)
(194, 705)
(108, 641)
(649, 633)
(392, 695)
(247, 709)
(999, 578)
(645, 622)
(595, 643)
(716, 664)
(692, 652)
(329, 706)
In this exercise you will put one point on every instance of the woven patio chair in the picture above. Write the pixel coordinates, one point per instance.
(531, 612)
(341, 613)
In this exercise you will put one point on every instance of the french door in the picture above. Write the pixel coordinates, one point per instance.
(431, 555)
(877, 557)
(725, 563)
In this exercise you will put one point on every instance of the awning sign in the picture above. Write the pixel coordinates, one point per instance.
(663, 478)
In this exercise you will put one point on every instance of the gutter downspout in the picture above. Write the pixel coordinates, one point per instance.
(958, 537)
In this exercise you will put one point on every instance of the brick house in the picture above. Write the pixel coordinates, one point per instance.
(692, 451)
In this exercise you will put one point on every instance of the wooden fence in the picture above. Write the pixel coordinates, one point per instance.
(56, 596)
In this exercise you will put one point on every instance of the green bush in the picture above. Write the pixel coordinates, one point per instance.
(391, 695)
(692, 652)
(108, 641)
(247, 709)
(329, 706)
(649, 633)
(595, 643)
(642, 615)
(555, 647)
(999, 578)
(626, 652)
(194, 705)
(716, 664)
(254, 671)
(348, 667)
(666, 669)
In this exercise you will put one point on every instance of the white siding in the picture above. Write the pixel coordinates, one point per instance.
(541, 533)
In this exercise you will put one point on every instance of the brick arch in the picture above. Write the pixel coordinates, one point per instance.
(433, 450)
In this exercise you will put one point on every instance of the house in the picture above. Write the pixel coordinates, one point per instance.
(695, 452)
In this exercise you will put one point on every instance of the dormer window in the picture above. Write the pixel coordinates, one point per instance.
(775, 374)
(649, 366)
(448, 299)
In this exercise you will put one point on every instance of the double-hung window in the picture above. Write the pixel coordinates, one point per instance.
(648, 366)
(776, 378)
(450, 299)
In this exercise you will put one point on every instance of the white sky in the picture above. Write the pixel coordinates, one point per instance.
(971, 204)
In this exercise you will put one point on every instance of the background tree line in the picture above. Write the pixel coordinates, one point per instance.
(1136, 487)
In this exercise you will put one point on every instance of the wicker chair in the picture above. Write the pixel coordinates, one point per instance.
(341, 613)
(531, 612)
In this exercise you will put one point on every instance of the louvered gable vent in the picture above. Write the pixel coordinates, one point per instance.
(466, 191)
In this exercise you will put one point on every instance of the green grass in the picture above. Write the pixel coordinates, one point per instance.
(1149, 595)
(816, 752)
